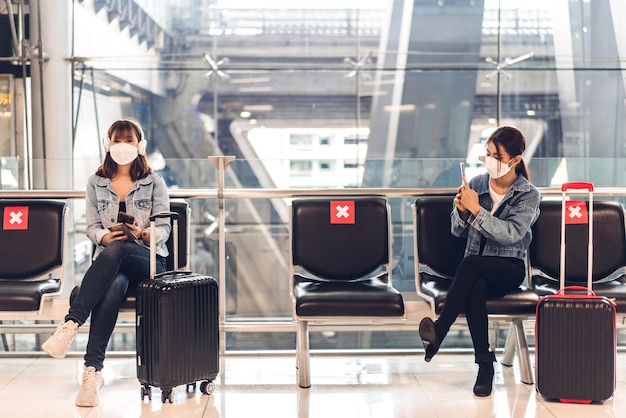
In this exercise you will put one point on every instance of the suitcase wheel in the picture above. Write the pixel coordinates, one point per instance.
(146, 391)
(207, 387)
(167, 396)
(191, 387)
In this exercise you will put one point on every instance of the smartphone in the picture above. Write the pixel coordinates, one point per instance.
(125, 218)
(462, 166)
(122, 219)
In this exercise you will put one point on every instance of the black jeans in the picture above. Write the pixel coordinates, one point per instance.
(478, 278)
(103, 289)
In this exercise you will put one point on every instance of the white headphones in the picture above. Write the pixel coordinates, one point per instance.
(141, 146)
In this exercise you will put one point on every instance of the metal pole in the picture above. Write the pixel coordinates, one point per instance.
(221, 162)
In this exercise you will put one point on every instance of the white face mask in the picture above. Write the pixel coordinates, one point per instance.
(123, 153)
(495, 168)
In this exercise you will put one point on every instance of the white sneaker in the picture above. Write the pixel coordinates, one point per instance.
(92, 383)
(58, 344)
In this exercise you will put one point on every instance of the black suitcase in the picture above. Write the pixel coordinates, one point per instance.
(177, 324)
(576, 342)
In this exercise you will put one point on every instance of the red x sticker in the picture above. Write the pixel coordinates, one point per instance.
(15, 217)
(342, 212)
(576, 212)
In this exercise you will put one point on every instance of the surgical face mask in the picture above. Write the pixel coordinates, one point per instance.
(495, 168)
(123, 153)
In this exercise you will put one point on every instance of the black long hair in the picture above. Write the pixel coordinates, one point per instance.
(514, 143)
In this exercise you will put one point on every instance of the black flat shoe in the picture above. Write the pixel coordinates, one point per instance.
(429, 337)
(484, 380)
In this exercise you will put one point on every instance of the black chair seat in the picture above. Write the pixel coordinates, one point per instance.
(20, 296)
(31, 253)
(615, 289)
(340, 267)
(523, 301)
(129, 301)
(367, 297)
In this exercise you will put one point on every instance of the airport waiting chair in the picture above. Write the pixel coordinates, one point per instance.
(340, 267)
(437, 254)
(32, 249)
(184, 233)
(609, 251)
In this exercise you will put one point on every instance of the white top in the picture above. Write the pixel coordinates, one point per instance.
(495, 198)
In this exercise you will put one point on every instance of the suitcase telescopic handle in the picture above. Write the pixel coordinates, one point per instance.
(576, 289)
(167, 214)
(577, 185)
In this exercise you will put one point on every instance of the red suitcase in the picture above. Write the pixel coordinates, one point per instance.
(177, 322)
(575, 334)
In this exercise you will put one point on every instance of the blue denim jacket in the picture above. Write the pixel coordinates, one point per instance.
(508, 231)
(149, 196)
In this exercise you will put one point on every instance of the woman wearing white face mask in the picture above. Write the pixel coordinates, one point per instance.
(495, 211)
(123, 183)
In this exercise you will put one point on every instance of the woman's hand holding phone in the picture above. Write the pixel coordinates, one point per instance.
(466, 199)
(126, 228)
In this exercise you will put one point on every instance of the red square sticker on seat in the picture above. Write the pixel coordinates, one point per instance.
(15, 217)
(576, 212)
(342, 212)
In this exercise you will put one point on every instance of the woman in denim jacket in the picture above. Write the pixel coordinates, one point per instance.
(495, 211)
(124, 182)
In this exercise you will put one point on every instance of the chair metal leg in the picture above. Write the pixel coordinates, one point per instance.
(509, 347)
(522, 353)
(493, 337)
(304, 403)
(5, 343)
(303, 373)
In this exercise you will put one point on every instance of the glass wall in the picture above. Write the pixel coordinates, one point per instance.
(327, 88)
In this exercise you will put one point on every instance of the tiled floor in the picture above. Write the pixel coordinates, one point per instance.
(264, 386)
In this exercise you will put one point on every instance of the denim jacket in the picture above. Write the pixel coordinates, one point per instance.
(149, 196)
(508, 231)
